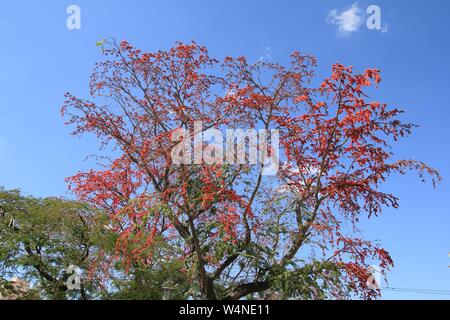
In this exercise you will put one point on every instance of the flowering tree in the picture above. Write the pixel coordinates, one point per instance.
(233, 230)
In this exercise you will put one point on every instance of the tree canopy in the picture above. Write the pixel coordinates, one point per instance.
(211, 229)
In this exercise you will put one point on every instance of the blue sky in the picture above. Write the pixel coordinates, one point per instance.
(41, 59)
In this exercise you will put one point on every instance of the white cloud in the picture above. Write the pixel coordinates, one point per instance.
(348, 21)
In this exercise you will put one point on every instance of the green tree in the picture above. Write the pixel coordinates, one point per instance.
(41, 238)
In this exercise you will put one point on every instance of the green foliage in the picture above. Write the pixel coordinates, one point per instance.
(316, 280)
(41, 238)
(145, 283)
